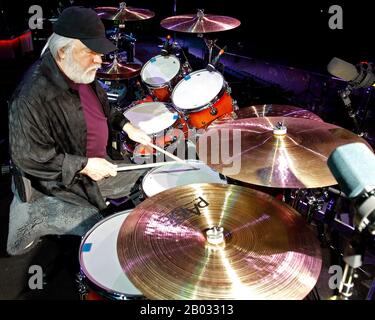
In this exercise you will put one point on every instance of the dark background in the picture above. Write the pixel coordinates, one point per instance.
(296, 33)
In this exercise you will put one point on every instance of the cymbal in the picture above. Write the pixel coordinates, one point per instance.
(267, 157)
(272, 110)
(216, 241)
(118, 71)
(124, 13)
(199, 23)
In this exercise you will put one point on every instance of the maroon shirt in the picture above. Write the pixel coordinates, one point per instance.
(96, 122)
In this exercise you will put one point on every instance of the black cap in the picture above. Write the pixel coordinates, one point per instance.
(84, 24)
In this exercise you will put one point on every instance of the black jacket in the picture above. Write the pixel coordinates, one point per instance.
(47, 134)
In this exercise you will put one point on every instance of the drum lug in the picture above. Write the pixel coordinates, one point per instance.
(186, 69)
(82, 288)
(229, 90)
(235, 105)
(213, 111)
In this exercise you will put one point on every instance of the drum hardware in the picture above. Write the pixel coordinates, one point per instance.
(353, 258)
(124, 41)
(309, 201)
(294, 160)
(213, 111)
(210, 46)
(82, 288)
(122, 14)
(262, 242)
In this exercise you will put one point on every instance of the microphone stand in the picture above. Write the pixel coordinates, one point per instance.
(345, 96)
(353, 259)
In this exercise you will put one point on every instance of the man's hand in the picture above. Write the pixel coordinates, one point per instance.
(98, 168)
(136, 134)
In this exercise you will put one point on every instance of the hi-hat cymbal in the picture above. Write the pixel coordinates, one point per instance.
(124, 13)
(199, 23)
(267, 157)
(260, 248)
(118, 71)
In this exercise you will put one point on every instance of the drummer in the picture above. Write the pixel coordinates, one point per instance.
(59, 124)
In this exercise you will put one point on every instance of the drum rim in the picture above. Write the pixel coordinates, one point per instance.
(166, 83)
(206, 105)
(91, 282)
(158, 168)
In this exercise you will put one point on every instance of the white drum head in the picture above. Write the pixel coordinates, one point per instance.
(151, 117)
(160, 70)
(98, 257)
(174, 175)
(197, 89)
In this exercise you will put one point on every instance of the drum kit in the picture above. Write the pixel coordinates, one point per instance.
(196, 235)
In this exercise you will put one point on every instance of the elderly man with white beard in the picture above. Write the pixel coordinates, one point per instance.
(59, 128)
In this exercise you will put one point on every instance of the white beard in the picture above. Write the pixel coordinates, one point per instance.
(76, 73)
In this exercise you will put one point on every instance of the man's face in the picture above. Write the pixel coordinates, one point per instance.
(81, 63)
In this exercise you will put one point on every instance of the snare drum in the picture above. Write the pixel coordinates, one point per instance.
(160, 74)
(101, 273)
(176, 174)
(203, 96)
(160, 121)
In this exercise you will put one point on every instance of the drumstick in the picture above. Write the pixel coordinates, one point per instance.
(168, 154)
(143, 166)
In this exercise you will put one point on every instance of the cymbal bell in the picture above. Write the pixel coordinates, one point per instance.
(200, 23)
(118, 71)
(265, 155)
(124, 13)
(218, 241)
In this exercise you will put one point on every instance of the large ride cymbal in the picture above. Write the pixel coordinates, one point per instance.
(199, 23)
(265, 250)
(124, 13)
(268, 157)
(275, 110)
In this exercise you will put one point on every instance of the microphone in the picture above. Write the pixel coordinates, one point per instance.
(166, 46)
(353, 166)
(216, 59)
(211, 66)
(358, 76)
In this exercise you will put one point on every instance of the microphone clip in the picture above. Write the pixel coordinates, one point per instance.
(210, 67)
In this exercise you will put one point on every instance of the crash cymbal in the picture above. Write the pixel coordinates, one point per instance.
(260, 248)
(124, 13)
(272, 110)
(118, 71)
(199, 23)
(292, 158)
